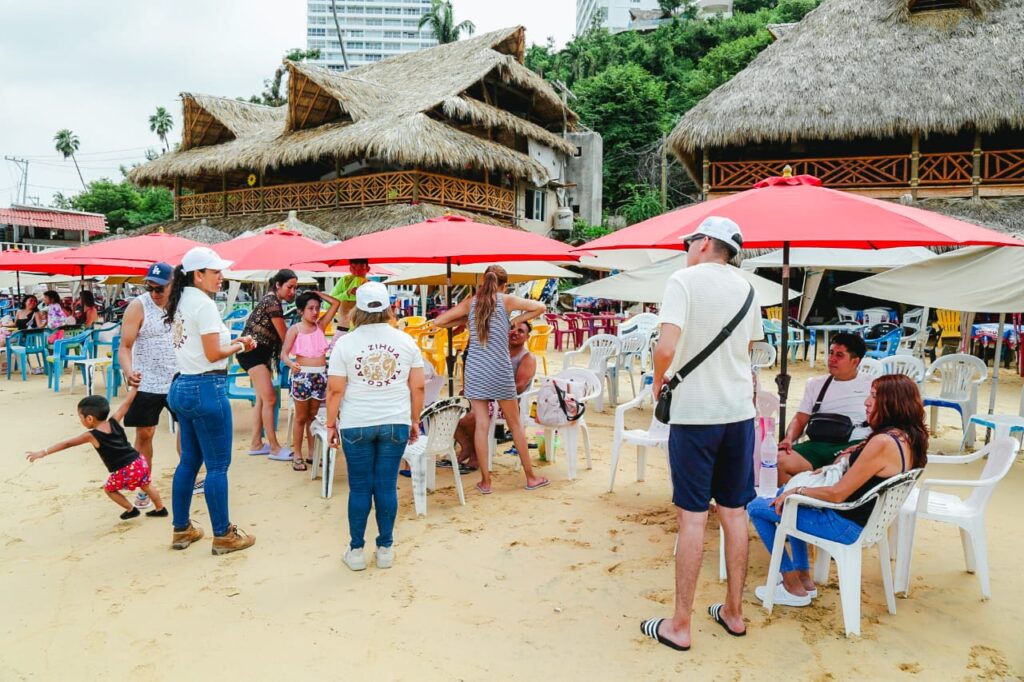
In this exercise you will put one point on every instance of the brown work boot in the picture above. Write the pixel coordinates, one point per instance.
(183, 539)
(232, 541)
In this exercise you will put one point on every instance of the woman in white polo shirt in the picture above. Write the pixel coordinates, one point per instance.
(375, 376)
(198, 397)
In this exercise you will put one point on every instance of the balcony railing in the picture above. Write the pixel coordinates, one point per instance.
(363, 190)
(956, 169)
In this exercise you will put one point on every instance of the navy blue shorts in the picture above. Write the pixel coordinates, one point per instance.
(715, 461)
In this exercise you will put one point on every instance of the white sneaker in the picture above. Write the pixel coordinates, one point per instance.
(355, 559)
(782, 596)
(385, 557)
(142, 501)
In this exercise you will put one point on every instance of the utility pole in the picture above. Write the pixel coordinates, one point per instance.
(22, 165)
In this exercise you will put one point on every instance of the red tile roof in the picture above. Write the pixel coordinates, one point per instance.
(95, 223)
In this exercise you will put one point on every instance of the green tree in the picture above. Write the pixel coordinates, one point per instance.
(441, 19)
(161, 124)
(627, 106)
(271, 95)
(722, 63)
(124, 204)
(66, 142)
(644, 202)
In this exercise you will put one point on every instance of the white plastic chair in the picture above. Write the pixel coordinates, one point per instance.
(762, 355)
(604, 349)
(959, 376)
(324, 457)
(968, 515)
(907, 365)
(442, 418)
(889, 496)
(655, 435)
(873, 316)
(586, 387)
(632, 348)
(1002, 424)
(846, 315)
(914, 320)
(870, 367)
(642, 322)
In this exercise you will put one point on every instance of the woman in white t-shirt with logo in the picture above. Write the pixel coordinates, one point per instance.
(375, 376)
(198, 397)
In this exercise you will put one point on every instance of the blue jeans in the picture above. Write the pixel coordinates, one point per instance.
(200, 402)
(372, 456)
(822, 523)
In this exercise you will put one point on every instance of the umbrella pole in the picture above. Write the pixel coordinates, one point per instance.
(450, 360)
(782, 380)
(17, 280)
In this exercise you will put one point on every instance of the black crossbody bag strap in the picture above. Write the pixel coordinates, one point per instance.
(726, 332)
(821, 395)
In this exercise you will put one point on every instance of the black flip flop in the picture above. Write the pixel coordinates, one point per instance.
(650, 628)
(715, 611)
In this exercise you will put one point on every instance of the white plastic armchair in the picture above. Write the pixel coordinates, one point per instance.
(441, 419)
(846, 315)
(889, 496)
(633, 346)
(324, 457)
(655, 435)
(966, 514)
(907, 365)
(870, 367)
(586, 388)
(762, 355)
(604, 350)
(873, 316)
(642, 322)
(959, 375)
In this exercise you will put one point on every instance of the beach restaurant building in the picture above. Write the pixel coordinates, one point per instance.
(918, 100)
(34, 228)
(464, 128)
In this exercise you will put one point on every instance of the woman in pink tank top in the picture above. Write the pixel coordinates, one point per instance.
(307, 342)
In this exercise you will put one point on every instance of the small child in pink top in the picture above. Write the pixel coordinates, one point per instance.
(307, 342)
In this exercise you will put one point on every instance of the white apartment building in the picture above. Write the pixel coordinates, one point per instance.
(616, 13)
(373, 30)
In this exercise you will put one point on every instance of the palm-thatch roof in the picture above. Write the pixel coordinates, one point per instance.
(393, 110)
(870, 68)
(342, 223)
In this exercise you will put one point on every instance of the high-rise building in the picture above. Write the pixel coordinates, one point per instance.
(373, 30)
(614, 14)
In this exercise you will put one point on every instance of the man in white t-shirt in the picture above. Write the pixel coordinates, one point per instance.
(845, 395)
(711, 438)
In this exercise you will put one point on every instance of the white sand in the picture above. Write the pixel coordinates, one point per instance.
(550, 584)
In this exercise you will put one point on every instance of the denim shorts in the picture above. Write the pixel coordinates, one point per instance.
(712, 461)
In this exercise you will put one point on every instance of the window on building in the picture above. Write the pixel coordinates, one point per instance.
(316, 32)
(535, 204)
(392, 10)
(374, 22)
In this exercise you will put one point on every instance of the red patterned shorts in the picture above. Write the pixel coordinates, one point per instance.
(130, 477)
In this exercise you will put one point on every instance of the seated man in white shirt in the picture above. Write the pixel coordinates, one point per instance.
(845, 395)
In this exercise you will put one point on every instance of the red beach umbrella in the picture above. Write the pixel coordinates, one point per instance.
(781, 212)
(149, 248)
(271, 249)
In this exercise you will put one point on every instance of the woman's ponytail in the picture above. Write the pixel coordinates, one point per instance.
(178, 284)
(495, 276)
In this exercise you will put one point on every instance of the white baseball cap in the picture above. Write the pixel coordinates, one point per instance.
(722, 229)
(203, 258)
(373, 297)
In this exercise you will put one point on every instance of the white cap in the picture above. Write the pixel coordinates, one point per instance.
(203, 258)
(373, 297)
(722, 229)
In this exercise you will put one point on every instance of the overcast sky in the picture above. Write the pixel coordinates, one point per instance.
(101, 68)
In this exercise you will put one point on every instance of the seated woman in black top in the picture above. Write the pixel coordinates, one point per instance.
(898, 443)
(128, 470)
(29, 316)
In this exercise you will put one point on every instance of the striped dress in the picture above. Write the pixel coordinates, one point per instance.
(489, 374)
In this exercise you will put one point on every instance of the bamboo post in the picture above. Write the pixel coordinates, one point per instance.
(915, 160)
(224, 192)
(706, 174)
(976, 171)
(177, 197)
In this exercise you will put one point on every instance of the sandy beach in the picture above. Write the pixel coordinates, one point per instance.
(550, 584)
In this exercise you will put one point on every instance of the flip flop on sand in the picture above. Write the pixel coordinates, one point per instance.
(298, 464)
(265, 450)
(483, 490)
(650, 628)
(715, 611)
(542, 483)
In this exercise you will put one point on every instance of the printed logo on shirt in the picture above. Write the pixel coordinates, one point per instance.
(378, 364)
(180, 337)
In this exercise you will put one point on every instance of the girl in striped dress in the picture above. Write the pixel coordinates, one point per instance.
(488, 369)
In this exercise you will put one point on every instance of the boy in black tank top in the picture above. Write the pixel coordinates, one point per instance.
(128, 470)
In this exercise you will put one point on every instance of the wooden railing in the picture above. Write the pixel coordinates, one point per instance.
(853, 172)
(363, 190)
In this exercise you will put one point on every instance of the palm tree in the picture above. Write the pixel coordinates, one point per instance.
(67, 144)
(441, 19)
(161, 124)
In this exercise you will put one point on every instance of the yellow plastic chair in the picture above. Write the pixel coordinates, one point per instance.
(411, 321)
(773, 313)
(949, 321)
(434, 346)
(538, 343)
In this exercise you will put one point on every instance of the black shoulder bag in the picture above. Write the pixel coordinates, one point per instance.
(828, 427)
(663, 409)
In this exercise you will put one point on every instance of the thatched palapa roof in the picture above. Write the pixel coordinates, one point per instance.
(407, 110)
(870, 68)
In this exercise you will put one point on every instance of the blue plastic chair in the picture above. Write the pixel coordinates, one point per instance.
(884, 346)
(248, 393)
(64, 351)
(773, 335)
(114, 376)
(21, 345)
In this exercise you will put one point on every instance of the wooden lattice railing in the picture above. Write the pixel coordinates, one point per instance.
(363, 190)
(934, 170)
